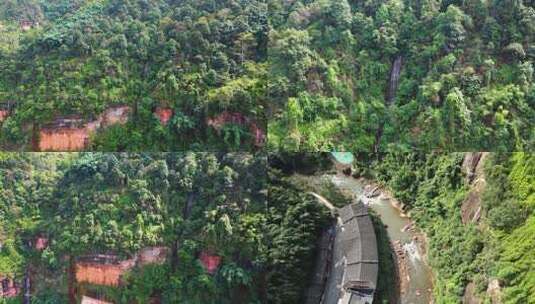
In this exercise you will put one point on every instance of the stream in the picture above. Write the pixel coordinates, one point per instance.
(419, 288)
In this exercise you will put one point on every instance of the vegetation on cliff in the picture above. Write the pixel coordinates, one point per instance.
(119, 203)
(401, 74)
(198, 58)
(195, 204)
(498, 246)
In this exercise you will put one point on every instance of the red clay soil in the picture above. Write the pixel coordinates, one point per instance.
(102, 274)
(109, 273)
(11, 290)
(3, 115)
(66, 138)
(63, 139)
(237, 118)
(210, 262)
(163, 114)
(41, 243)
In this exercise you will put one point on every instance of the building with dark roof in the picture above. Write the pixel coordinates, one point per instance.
(359, 248)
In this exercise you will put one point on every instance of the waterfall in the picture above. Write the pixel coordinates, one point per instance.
(390, 95)
(394, 80)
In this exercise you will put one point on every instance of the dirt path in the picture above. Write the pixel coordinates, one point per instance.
(323, 201)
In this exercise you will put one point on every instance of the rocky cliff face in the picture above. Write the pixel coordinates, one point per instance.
(472, 167)
(106, 270)
(63, 139)
(73, 135)
(219, 121)
(470, 295)
(471, 163)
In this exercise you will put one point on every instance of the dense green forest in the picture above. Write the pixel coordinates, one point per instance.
(404, 85)
(345, 75)
(61, 58)
(257, 218)
(401, 74)
(492, 247)
(91, 203)
(498, 246)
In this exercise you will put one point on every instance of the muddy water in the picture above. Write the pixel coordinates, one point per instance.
(420, 284)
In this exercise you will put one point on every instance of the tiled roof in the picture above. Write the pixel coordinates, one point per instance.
(359, 246)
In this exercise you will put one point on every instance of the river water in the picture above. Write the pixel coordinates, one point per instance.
(420, 284)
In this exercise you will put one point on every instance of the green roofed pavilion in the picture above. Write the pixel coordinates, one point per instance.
(345, 158)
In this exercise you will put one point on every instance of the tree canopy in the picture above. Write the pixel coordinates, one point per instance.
(390, 75)
(197, 58)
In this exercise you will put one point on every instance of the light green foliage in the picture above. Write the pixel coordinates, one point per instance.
(455, 55)
(120, 203)
(23, 193)
(432, 190)
(522, 179)
(516, 264)
(198, 58)
(10, 259)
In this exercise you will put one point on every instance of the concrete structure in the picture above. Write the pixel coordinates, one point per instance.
(316, 290)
